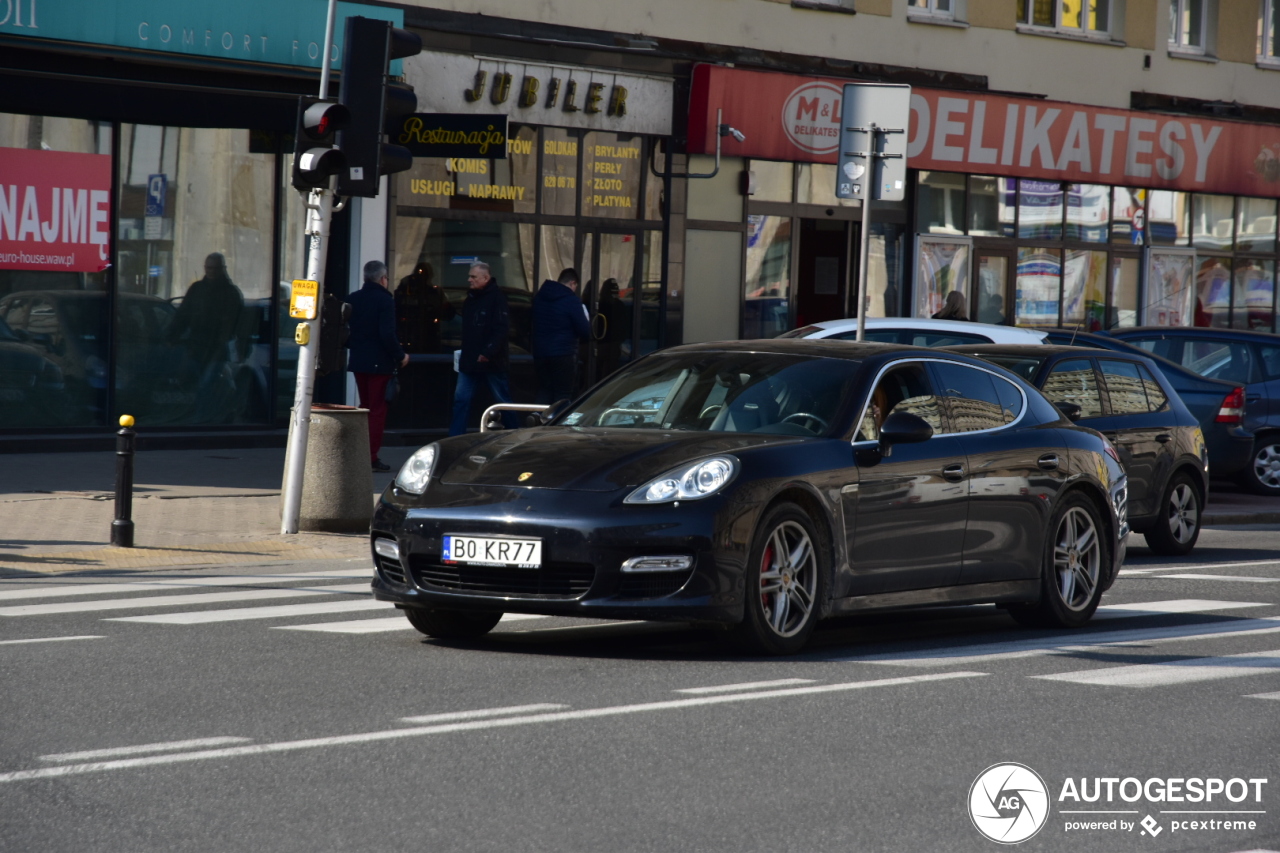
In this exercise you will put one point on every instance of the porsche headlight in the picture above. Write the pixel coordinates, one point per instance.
(416, 473)
(688, 482)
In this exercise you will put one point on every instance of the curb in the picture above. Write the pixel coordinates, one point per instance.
(1212, 520)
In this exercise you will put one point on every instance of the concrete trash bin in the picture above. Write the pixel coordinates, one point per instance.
(337, 486)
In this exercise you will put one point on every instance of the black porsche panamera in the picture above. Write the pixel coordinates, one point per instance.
(763, 485)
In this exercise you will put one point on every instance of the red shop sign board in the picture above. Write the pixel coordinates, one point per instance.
(55, 210)
(787, 117)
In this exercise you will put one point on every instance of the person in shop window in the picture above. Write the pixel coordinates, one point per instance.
(206, 326)
(376, 353)
(559, 323)
(421, 310)
(614, 327)
(483, 358)
(953, 308)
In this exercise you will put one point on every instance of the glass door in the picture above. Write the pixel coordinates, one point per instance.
(993, 270)
(608, 269)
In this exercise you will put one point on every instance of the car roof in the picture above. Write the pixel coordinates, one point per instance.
(1195, 332)
(1000, 333)
(815, 347)
(1042, 351)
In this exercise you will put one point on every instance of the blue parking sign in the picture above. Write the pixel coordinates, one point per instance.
(157, 189)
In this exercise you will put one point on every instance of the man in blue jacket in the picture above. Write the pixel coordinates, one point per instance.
(485, 323)
(559, 322)
(375, 351)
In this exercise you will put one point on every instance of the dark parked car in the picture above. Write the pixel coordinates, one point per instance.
(1218, 405)
(764, 485)
(1251, 359)
(31, 386)
(1127, 399)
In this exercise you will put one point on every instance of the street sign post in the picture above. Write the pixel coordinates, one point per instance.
(873, 159)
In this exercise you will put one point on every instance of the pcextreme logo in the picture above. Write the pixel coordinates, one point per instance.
(1009, 803)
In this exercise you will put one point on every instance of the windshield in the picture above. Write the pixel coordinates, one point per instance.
(722, 392)
(1023, 365)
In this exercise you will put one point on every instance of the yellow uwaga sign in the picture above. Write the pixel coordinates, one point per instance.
(452, 135)
(302, 299)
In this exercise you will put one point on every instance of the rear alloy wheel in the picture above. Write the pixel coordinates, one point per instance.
(1262, 477)
(1178, 527)
(1074, 562)
(451, 624)
(784, 583)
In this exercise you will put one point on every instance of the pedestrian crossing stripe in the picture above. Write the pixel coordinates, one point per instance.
(1174, 672)
(204, 617)
(190, 581)
(374, 626)
(184, 600)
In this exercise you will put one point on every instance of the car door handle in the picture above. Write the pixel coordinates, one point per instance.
(1048, 462)
(954, 473)
(1164, 438)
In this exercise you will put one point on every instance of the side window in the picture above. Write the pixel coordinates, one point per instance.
(1011, 399)
(944, 339)
(1219, 360)
(1165, 348)
(1270, 360)
(971, 397)
(1124, 387)
(1156, 399)
(906, 388)
(1073, 381)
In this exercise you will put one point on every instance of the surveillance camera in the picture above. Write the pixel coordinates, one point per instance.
(738, 135)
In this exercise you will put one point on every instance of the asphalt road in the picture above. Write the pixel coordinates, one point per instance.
(279, 715)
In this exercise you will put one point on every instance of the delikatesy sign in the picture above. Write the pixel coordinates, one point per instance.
(284, 32)
(55, 210)
(786, 117)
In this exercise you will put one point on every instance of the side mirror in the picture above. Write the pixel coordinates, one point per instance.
(903, 428)
(1071, 411)
(545, 417)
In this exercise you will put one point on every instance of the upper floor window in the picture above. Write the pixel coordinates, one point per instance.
(1187, 25)
(1080, 17)
(934, 8)
(1269, 31)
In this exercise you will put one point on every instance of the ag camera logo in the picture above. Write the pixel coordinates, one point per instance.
(1008, 803)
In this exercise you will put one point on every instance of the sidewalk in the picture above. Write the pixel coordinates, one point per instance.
(190, 507)
(214, 507)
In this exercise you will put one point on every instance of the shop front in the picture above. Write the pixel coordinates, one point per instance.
(575, 184)
(146, 222)
(1041, 213)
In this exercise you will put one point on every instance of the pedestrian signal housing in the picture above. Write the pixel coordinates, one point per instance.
(315, 159)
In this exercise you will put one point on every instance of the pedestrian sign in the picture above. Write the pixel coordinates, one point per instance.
(302, 299)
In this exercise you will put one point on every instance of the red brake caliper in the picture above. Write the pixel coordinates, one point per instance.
(765, 563)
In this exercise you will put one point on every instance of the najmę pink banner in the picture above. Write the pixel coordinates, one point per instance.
(55, 210)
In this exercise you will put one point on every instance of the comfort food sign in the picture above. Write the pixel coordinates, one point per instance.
(794, 118)
(55, 210)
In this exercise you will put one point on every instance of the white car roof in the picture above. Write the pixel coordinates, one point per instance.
(995, 334)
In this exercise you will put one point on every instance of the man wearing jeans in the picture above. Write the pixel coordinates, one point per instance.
(375, 351)
(484, 347)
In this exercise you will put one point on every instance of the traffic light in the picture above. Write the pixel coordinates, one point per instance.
(315, 159)
(334, 316)
(370, 45)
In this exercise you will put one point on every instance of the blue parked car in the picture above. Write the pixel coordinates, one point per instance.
(1215, 403)
(1251, 359)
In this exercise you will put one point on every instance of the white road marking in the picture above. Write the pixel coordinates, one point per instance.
(377, 626)
(130, 587)
(202, 617)
(1200, 566)
(1191, 576)
(1033, 646)
(1174, 672)
(51, 639)
(748, 685)
(483, 713)
(466, 725)
(186, 600)
(1177, 605)
(171, 746)
(1263, 696)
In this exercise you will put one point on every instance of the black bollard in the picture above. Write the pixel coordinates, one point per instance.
(122, 527)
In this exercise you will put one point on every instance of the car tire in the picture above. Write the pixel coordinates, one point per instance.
(1073, 570)
(1178, 526)
(785, 581)
(1262, 475)
(451, 624)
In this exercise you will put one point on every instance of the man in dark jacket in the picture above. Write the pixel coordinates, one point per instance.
(484, 347)
(375, 351)
(559, 322)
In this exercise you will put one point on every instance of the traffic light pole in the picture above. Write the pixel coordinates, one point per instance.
(319, 213)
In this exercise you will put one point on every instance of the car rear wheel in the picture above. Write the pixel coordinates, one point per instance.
(785, 578)
(451, 624)
(1075, 561)
(1262, 477)
(1178, 527)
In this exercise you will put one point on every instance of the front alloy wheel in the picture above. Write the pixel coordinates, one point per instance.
(1075, 557)
(784, 580)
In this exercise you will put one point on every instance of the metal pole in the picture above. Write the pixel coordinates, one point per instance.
(319, 212)
(864, 236)
(122, 527)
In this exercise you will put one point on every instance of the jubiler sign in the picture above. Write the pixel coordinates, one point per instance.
(794, 118)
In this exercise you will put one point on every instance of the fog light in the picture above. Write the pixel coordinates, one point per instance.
(674, 563)
(387, 548)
